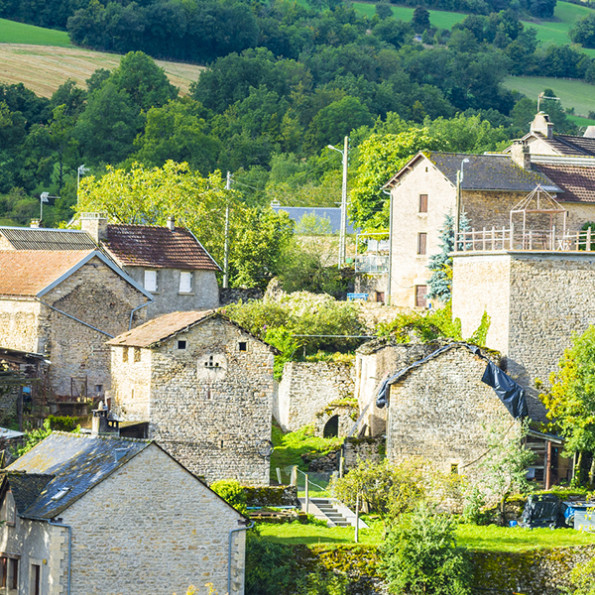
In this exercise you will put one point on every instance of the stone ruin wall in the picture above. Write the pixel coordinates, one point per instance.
(307, 392)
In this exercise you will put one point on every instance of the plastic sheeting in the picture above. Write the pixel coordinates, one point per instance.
(508, 391)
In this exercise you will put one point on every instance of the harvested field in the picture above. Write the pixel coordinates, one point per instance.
(44, 68)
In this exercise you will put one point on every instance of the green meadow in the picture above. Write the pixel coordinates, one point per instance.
(12, 32)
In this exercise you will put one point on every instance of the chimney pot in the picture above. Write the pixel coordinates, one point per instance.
(171, 223)
(35, 223)
(95, 224)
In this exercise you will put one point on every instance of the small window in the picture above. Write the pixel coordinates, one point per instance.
(423, 203)
(221, 444)
(454, 468)
(420, 296)
(99, 389)
(151, 280)
(211, 363)
(422, 243)
(125, 354)
(242, 346)
(185, 282)
(137, 354)
(4, 571)
(13, 575)
(35, 581)
(181, 344)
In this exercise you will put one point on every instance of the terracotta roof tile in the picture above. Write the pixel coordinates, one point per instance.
(576, 182)
(161, 328)
(27, 272)
(157, 247)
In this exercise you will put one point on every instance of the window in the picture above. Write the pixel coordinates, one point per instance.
(181, 344)
(4, 570)
(422, 243)
(35, 581)
(211, 363)
(242, 346)
(454, 468)
(151, 280)
(137, 354)
(423, 203)
(99, 389)
(13, 576)
(125, 354)
(185, 282)
(420, 296)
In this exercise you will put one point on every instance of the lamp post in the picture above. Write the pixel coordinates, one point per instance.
(226, 245)
(343, 229)
(44, 197)
(81, 171)
(460, 177)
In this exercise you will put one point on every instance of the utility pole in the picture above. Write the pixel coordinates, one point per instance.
(226, 249)
(343, 228)
(81, 171)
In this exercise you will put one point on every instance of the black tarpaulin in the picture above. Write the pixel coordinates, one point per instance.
(508, 391)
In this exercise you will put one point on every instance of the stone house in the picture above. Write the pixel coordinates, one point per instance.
(203, 386)
(485, 188)
(169, 262)
(91, 515)
(64, 304)
(318, 394)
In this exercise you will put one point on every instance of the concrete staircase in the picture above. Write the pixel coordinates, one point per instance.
(331, 510)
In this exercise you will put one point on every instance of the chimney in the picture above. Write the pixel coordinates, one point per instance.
(103, 423)
(589, 132)
(519, 153)
(541, 124)
(171, 223)
(95, 224)
(35, 223)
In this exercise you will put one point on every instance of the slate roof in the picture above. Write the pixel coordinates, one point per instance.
(63, 468)
(157, 247)
(28, 272)
(158, 329)
(566, 144)
(577, 182)
(490, 172)
(27, 238)
(332, 214)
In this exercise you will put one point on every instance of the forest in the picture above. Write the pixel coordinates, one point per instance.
(283, 81)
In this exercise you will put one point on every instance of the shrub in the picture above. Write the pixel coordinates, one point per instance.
(62, 423)
(420, 556)
(232, 492)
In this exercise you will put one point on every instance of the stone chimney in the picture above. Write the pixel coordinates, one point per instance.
(589, 132)
(541, 123)
(519, 153)
(35, 223)
(171, 223)
(103, 423)
(95, 224)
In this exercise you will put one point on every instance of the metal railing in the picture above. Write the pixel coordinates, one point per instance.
(494, 239)
(372, 264)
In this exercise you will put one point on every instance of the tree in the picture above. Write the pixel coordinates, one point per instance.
(420, 19)
(583, 31)
(420, 556)
(571, 399)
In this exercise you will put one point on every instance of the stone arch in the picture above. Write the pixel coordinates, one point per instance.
(331, 427)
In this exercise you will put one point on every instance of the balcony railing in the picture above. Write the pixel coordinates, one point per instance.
(371, 264)
(552, 240)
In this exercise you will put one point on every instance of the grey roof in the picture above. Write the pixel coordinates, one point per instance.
(565, 144)
(490, 172)
(29, 238)
(332, 214)
(64, 467)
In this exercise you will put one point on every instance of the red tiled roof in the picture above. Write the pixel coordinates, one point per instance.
(577, 183)
(27, 272)
(161, 328)
(157, 247)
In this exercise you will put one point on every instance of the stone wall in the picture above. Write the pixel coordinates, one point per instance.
(363, 449)
(151, 527)
(210, 403)
(310, 388)
(440, 411)
(99, 297)
(19, 324)
(231, 295)
(167, 298)
(375, 360)
(536, 300)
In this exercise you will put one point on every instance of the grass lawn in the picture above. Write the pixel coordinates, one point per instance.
(573, 93)
(490, 538)
(12, 32)
(438, 18)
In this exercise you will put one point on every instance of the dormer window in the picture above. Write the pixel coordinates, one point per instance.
(185, 282)
(151, 281)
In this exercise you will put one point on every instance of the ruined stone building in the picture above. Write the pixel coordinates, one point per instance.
(64, 304)
(169, 262)
(488, 187)
(86, 515)
(318, 394)
(203, 386)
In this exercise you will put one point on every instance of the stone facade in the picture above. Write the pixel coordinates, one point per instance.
(315, 392)
(536, 300)
(209, 404)
(363, 449)
(149, 527)
(440, 411)
(374, 361)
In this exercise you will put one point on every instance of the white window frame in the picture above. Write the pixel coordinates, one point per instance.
(186, 282)
(150, 281)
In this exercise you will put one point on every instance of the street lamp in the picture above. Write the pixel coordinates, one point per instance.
(343, 229)
(460, 176)
(44, 197)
